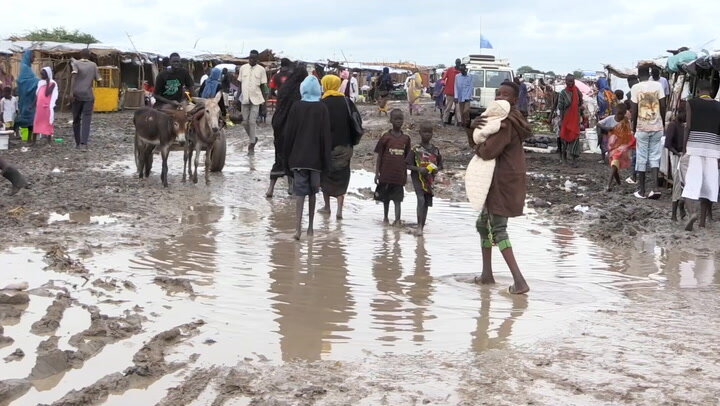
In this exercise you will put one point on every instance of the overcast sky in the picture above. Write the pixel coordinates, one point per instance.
(559, 35)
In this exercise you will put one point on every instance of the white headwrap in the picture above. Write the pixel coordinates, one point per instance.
(54, 96)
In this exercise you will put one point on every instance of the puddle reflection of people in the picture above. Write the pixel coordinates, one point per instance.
(481, 340)
(506, 197)
(387, 271)
(312, 295)
(420, 290)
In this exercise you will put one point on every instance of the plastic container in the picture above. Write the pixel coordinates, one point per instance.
(24, 134)
(5, 139)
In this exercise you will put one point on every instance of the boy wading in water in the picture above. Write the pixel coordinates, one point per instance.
(307, 147)
(506, 197)
(391, 169)
(424, 162)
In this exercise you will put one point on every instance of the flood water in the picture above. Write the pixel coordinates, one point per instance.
(356, 287)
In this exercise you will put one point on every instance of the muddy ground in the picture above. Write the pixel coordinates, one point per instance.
(659, 348)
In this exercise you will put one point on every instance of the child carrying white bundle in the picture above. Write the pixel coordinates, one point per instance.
(479, 173)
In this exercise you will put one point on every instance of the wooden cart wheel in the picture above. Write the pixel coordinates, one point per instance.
(217, 154)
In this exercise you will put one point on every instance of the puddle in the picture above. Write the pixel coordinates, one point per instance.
(81, 217)
(356, 287)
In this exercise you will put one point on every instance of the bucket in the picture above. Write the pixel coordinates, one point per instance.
(4, 140)
(24, 134)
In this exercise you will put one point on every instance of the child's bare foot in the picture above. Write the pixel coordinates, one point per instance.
(386, 221)
(518, 290)
(484, 279)
(691, 223)
(324, 210)
(419, 232)
(310, 232)
(396, 223)
(297, 236)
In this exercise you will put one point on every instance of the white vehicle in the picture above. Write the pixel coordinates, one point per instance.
(488, 74)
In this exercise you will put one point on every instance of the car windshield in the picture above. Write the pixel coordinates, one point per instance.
(478, 78)
(495, 78)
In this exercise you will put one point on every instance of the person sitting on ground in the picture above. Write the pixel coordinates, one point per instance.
(675, 143)
(424, 161)
(703, 148)
(506, 196)
(648, 101)
(13, 175)
(391, 169)
(172, 83)
(620, 143)
(570, 107)
(307, 146)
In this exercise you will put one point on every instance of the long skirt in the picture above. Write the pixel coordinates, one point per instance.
(701, 180)
(336, 179)
(42, 124)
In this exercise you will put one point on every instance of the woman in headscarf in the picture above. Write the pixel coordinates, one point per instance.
(345, 85)
(212, 86)
(287, 95)
(570, 107)
(413, 93)
(384, 87)
(27, 83)
(46, 97)
(306, 147)
(335, 180)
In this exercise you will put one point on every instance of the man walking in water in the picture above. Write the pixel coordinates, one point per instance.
(253, 85)
(84, 72)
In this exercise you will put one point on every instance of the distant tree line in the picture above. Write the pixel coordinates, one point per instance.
(57, 34)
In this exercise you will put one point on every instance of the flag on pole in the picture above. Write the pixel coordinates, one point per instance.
(484, 43)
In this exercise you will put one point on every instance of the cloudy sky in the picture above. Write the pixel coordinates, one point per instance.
(559, 35)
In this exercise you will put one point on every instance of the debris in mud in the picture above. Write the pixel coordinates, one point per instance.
(174, 285)
(16, 355)
(150, 365)
(209, 341)
(109, 284)
(4, 341)
(51, 320)
(58, 259)
(17, 286)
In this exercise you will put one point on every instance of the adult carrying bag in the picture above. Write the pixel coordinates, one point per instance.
(356, 128)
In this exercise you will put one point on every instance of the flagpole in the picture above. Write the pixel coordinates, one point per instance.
(480, 35)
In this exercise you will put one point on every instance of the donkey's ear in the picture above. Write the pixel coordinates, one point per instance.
(218, 96)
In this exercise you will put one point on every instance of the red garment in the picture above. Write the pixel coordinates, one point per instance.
(449, 77)
(570, 128)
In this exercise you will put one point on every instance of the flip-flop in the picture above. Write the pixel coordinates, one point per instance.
(510, 291)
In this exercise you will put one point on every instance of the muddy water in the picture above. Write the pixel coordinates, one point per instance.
(357, 287)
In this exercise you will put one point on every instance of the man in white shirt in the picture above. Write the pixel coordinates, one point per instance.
(354, 90)
(253, 85)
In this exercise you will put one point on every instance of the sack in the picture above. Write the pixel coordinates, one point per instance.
(356, 128)
(235, 114)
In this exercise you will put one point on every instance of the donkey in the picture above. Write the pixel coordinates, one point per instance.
(156, 128)
(204, 130)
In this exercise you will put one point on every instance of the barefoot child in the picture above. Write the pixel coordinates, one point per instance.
(391, 169)
(8, 108)
(424, 161)
(620, 143)
(307, 147)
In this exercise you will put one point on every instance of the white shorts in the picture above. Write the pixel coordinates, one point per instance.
(701, 180)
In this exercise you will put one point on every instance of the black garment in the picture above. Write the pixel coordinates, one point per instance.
(225, 83)
(705, 116)
(307, 142)
(82, 114)
(675, 136)
(339, 120)
(286, 97)
(171, 84)
(221, 104)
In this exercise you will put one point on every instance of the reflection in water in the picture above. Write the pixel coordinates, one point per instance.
(312, 297)
(420, 290)
(481, 338)
(563, 237)
(387, 270)
(193, 251)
